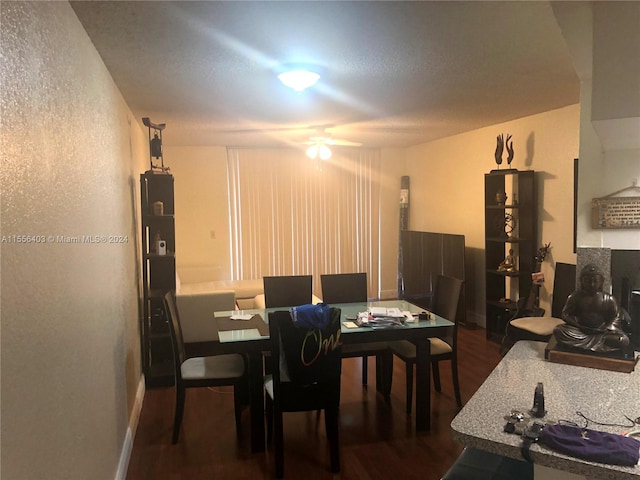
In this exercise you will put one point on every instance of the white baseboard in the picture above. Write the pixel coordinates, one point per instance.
(127, 446)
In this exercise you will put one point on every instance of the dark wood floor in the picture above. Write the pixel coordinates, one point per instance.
(377, 439)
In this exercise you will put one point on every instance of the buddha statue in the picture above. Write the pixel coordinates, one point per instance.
(593, 318)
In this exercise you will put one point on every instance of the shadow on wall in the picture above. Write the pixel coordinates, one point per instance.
(528, 160)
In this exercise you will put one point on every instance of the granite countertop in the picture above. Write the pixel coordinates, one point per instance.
(602, 396)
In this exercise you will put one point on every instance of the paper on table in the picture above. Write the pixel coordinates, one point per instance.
(238, 335)
(241, 316)
(385, 312)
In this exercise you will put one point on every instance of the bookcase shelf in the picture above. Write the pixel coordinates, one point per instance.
(503, 288)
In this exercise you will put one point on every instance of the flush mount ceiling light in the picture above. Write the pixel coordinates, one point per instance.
(299, 79)
(319, 150)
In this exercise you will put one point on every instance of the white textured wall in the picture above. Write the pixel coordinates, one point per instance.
(447, 189)
(70, 155)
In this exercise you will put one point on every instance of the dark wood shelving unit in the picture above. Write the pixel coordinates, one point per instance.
(519, 187)
(158, 276)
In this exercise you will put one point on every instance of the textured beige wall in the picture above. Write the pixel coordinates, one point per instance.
(71, 155)
(202, 208)
(447, 188)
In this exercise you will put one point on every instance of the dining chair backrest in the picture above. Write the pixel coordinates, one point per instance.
(177, 341)
(564, 284)
(344, 287)
(446, 297)
(445, 303)
(312, 356)
(287, 291)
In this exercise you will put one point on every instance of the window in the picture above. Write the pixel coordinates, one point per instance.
(290, 215)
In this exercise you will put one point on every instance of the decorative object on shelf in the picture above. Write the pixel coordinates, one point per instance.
(155, 144)
(509, 150)
(505, 225)
(501, 143)
(509, 263)
(158, 208)
(162, 247)
(593, 318)
(501, 198)
(499, 149)
(156, 241)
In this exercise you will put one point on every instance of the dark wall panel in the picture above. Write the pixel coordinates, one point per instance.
(425, 256)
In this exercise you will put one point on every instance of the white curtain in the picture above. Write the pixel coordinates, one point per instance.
(290, 215)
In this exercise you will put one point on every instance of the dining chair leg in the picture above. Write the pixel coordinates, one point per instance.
(268, 411)
(331, 423)
(456, 383)
(384, 373)
(365, 370)
(177, 419)
(435, 371)
(278, 444)
(409, 386)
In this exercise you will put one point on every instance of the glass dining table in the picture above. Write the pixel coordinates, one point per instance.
(247, 332)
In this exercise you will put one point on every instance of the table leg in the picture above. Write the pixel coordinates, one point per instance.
(384, 373)
(256, 402)
(423, 385)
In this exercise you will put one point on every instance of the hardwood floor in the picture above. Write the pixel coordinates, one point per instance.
(377, 439)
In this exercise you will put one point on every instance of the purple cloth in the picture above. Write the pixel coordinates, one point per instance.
(591, 445)
(311, 316)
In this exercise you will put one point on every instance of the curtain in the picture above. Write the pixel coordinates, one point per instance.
(290, 215)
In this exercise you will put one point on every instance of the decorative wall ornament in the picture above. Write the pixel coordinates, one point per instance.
(501, 143)
(155, 145)
(613, 211)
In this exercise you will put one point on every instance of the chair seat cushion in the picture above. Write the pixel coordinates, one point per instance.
(537, 325)
(406, 349)
(218, 366)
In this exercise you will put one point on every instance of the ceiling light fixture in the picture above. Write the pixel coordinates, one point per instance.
(319, 150)
(299, 79)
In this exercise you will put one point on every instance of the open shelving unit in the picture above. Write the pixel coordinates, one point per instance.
(510, 223)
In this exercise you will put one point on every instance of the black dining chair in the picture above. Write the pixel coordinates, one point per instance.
(445, 304)
(287, 290)
(306, 369)
(212, 371)
(540, 328)
(352, 288)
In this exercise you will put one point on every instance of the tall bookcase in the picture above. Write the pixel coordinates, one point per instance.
(510, 224)
(158, 275)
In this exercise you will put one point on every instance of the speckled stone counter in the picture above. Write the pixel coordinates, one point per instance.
(601, 395)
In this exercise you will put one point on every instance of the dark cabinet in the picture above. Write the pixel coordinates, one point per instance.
(158, 275)
(510, 231)
(425, 255)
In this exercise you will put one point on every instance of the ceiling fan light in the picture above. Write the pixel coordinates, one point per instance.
(299, 80)
(312, 152)
(324, 152)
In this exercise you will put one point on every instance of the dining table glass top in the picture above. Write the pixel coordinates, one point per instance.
(349, 312)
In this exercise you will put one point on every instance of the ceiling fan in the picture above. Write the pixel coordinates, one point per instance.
(319, 144)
